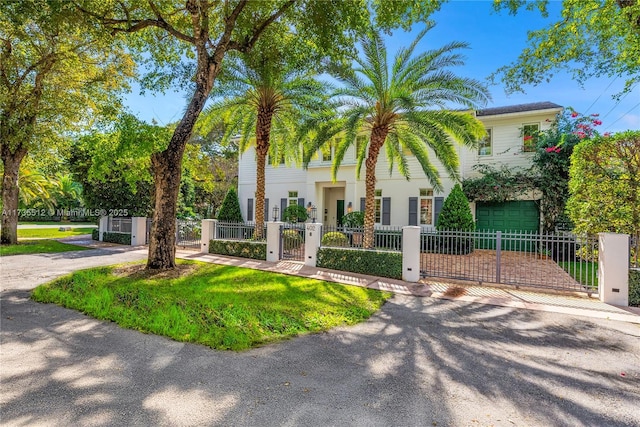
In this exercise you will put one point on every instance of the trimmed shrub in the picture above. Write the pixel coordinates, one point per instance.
(334, 238)
(634, 287)
(242, 248)
(291, 239)
(116, 237)
(230, 209)
(376, 263)
(353, 219)
(95, 234)
(295, 213)
(456, 213)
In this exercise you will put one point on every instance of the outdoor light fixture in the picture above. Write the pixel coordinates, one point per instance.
(276, 213)
(314, 211)
(349, 207)
(309, 205)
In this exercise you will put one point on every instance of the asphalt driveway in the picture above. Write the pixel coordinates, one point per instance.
(417, 362)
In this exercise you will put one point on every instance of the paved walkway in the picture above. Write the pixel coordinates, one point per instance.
(445, 361)
(443, 289)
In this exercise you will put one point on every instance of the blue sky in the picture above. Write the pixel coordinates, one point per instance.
(495, 39)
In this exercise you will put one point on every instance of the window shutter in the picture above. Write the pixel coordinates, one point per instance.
(386, 210)
(413, 211)
(249, 209)
(266, 210)
(362, 204)
(301, 201)
(283, 206)
(437, 207)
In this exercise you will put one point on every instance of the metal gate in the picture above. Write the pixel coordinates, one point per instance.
(554, 261)
(292, 241)
(188, 233)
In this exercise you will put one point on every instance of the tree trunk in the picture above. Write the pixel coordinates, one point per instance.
(378, 136)
(263, 135)
(11, 160)
(167, 171)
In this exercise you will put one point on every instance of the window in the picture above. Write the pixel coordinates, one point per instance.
(293, 198)
(485, 147)
(378, 205)
(328, 148)
(426, 206)
(530, 136)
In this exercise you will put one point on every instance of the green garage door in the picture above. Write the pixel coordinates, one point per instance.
(517, 216)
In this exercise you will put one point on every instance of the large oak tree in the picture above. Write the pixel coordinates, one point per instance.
(188, 41)
(56, 70)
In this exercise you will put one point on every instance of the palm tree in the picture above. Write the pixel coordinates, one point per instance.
(262, 99)
(404, 107)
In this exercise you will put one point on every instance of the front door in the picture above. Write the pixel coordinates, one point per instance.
(339, 212)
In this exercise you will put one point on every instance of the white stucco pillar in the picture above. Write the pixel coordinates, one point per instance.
(207, 234)
(138, 230)
(273, 241)
(312, 238)
(411, 253)
(613, 268)
(102, 226)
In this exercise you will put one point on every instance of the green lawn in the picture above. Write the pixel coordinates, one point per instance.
(51, 233)
(222, 307)
(37, 247)
(585, 273)
(58, 223)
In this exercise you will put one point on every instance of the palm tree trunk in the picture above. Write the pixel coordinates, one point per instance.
(11, 160)
(378, 136)
(263, 135)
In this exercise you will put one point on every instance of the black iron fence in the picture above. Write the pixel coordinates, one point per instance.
(384, 237)
(292, 238)
(239, 231)
(560, 261)
(188, 233)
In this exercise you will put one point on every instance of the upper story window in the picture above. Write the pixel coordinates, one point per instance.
(328, 149)
(530, 133)
(426, 206)
(293, 198)
(360, 141)
(378, 206)
(485, 147)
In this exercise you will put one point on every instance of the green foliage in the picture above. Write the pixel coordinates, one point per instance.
(239, 248)
(223, 307)
(55, 233)
(230, 209)
(605, 184)
(634, 288)
(353, 219)
(116, 237)
(292, 239)
(456, 213)
(95, 234)
(592, 38)
(38, 247)
(498, 184)
(334, 238)
(295, 213)
(374, 263)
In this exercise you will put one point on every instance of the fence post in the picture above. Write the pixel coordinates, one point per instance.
(498, 254)
(613, 268)
(411, 253)
(102, 227)
(312, 242)
(138, 230)
(273, 241)
(208, 233)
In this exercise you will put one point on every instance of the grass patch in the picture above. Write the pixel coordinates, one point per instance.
(222, 307)
(52, 233)
(58, 223)
(38, 247)
(585, 273)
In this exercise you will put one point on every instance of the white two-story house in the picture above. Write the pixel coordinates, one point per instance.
(402, 202)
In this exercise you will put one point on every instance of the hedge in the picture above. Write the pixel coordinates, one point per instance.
(95, 234)
(375, 263)
(239, 248)
(116, 237)
(634, 287)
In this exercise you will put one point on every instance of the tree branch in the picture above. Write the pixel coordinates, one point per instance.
(248, 43)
